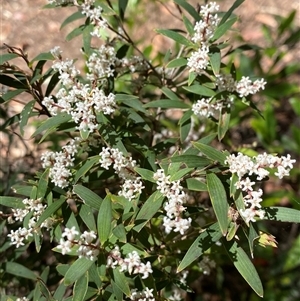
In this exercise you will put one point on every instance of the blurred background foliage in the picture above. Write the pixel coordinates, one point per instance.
(275, 130)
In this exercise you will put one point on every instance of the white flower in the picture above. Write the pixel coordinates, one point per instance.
(65, 246)
(198, 60)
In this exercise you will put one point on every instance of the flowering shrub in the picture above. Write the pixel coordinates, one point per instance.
(136, 201)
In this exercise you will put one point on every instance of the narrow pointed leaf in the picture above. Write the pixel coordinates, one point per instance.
(210, 152)
(104, 220)
(19, 270)
(235, 5)
(150, 207)
(80, 287)
(177, 63)
(12, 202)
(200, 90)
(77, 15)
(166, 104)
(89, 197)
(77, 269)
(10, 95)
(282, 214)
(189, 8)
(245, 267)
(175, 36)
(121, 281)
(223, 125)
(203, 242)
(25, 114)
(218, 199)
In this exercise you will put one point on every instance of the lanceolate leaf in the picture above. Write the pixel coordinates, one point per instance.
(175, 36)
(10, 95)
(200, 90)
(19, 270)
(148, 210)
(203, 242)
(88, 196)
(282, 214)
(167, 103)
(121, 281)
(104, 220)
(218, 199)
(12, 202)
(210, 152)
(244, 265)
(189, 8)
(236, 4)
(77, 269)
(222, 29)
(25, 114)
(77, 15)
(80, 287)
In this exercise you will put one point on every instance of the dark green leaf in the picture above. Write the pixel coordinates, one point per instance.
(122, 8)
(169, 93)
(88, 196)
(43, 184)
(52, 84)
(11, 82)
(228, 13)
(196, 185)
(189, 8)
(7, 57)
(219, 201)
(77, 269)
(77, 15)
(179, 62)
(192, 161)
(203, 242)
(245, 267)
(80, 287)
(44, 290)
(46, 56)
(10, 94)
(222, 29)
(200, 90)
(104, 220)
(210, 152)
(87, 165)
(19, 270)
(282, 214)
(166, 104)
(87, 216)
(25, 114)
(12, 202)
(175, 36)
(150, 207)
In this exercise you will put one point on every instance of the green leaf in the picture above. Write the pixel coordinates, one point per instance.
(192, 161)
(223, 125)
(218, 199)
(185, 128)
(200, 90)
(77, 269)
(11, 82)
(245, 267)
(75, 32)
(169, 93)
(196, 185)
(215, 62)
(12, 202)
(228, 13)
(192, 77)
(10, 94)
(175, 36)
(178, 62)
(146, 174)
(80, 287)
(180, 174)
(43, 184)
(86, 166)
(203, 242)
(189, 8)
(131, 101)
(166, 104)
(104, 220)
(122, 8)
(52, 83)
(120, 233)
(50, 210)
(210, 152)
(25, 114)
(121, 281)
(222, 29)
(77, 15)
(7, 57)
(282, 214)
(188, 25)
(46, 56)
(87, 38)
(87, 216)
(150, 207)
(44, 290)
(19, 270)
(89, 197)
(51, 123)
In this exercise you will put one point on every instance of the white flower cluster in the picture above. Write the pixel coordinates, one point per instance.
(60, 163)
(34, 207)
(104, 63)
(174, 206)
(204, 31)
(94, 13)
(131, 263)
(82, 102)
(124, 167)
(145, 295)
(245, 166)
(244, 87)
(87, 248)
(204, 107)
(101, 63)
